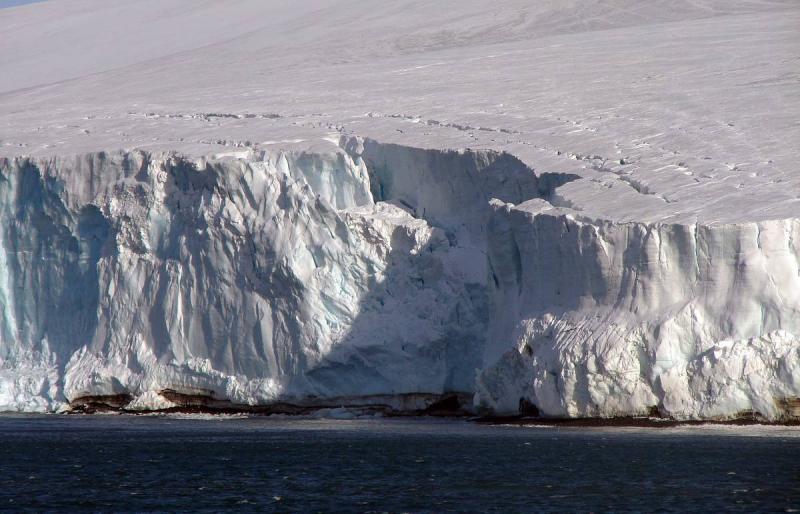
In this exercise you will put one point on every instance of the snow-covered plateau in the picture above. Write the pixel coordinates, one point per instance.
(576, 208)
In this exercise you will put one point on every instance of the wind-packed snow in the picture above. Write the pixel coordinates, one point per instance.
(273, 201)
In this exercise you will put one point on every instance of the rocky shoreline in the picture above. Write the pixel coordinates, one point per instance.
(455, 406)
(445, 405)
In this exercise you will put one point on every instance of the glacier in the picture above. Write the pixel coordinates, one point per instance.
(375, 272)
(559, 209)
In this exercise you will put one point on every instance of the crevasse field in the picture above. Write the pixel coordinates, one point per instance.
(587, 208)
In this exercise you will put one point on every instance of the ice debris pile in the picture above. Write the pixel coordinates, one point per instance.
(379, 271)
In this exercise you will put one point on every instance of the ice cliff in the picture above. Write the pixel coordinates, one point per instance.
(378, 272)
(275, 277)
(692, 321)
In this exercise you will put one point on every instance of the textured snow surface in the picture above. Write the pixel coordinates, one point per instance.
(262, 200)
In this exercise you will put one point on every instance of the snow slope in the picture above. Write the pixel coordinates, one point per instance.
(259, 199)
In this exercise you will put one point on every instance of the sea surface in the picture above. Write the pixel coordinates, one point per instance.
(141, 463)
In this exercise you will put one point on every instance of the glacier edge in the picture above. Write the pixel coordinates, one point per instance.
(377, 270)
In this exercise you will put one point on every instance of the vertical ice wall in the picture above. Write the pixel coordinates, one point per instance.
(276, 277)
(380, 270)
(604, 318)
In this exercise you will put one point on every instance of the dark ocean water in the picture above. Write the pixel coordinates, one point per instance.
(124, 463)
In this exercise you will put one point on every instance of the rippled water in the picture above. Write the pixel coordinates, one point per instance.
(124, 463)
